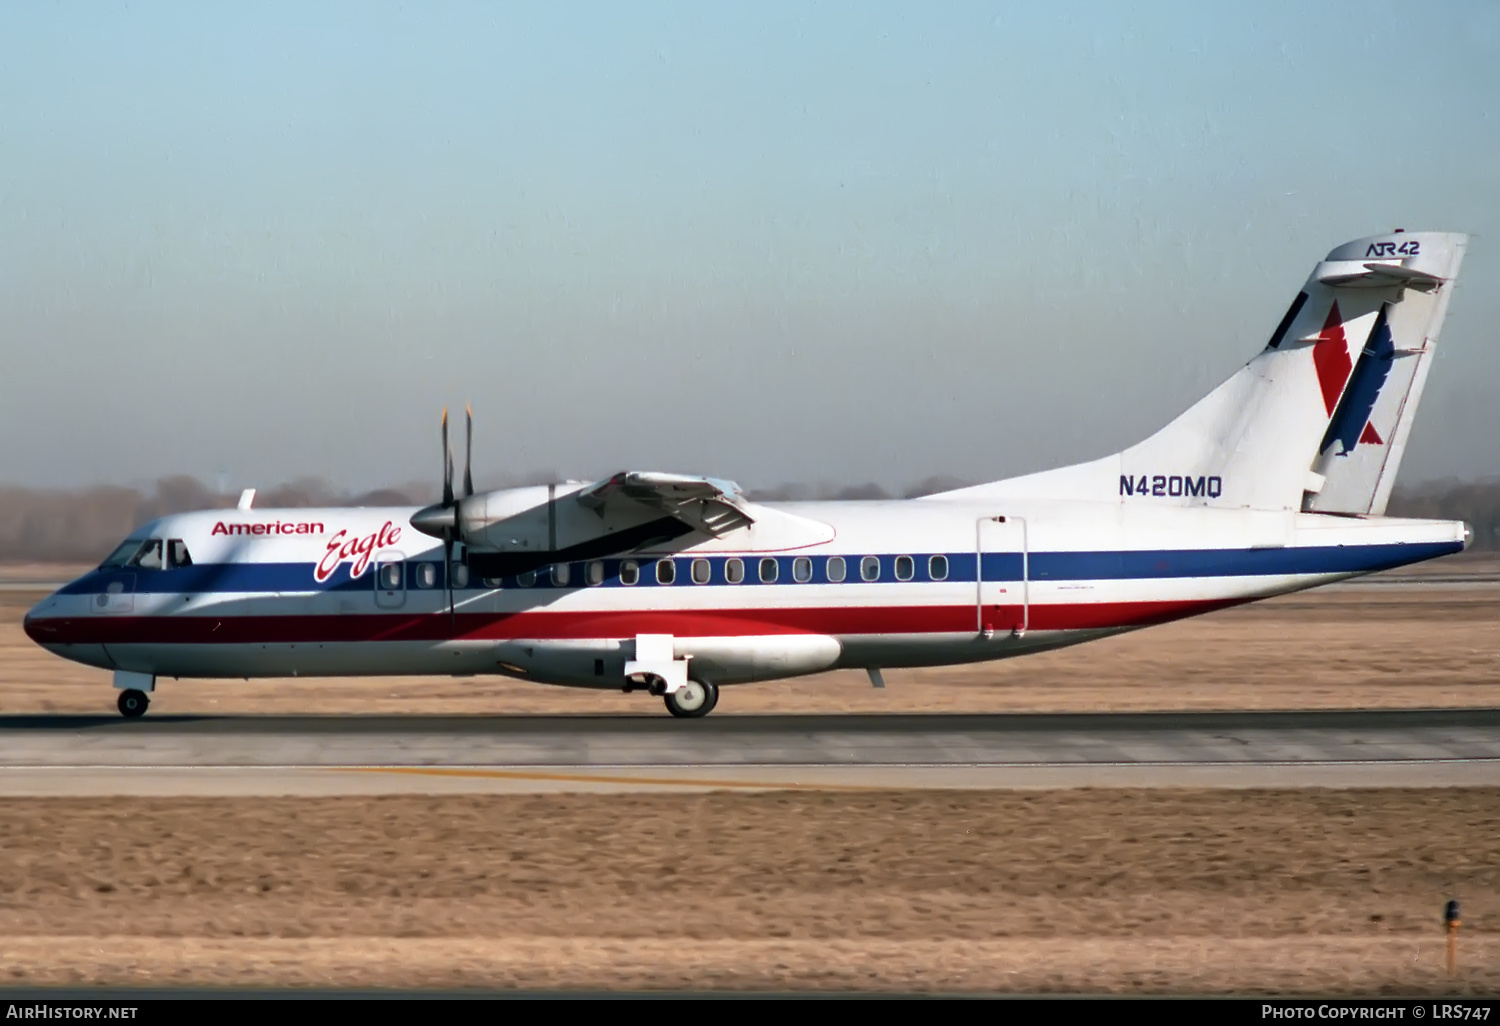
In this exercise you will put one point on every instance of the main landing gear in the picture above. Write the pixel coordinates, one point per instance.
(133, 704)
(692, 700)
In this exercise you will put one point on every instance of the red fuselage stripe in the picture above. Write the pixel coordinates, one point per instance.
(552, 625)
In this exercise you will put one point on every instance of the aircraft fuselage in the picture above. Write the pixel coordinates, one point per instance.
(332, 592)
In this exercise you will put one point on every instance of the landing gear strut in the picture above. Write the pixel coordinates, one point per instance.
(692, 700)
(133, 703)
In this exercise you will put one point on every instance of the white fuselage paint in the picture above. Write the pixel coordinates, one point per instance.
(329, 592)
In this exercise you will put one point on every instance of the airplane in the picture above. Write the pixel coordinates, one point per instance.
(679, 585)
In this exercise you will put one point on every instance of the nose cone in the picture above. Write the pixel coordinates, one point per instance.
(62, 624)
(39, 625)
(1468, 535)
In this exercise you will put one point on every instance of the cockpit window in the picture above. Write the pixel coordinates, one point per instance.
(121, 555)
(148, 556)
(177, 554)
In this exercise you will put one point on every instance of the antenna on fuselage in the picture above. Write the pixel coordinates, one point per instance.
(247, 498)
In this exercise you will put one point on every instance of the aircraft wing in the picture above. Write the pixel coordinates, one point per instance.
(704, 504)
(514, 531)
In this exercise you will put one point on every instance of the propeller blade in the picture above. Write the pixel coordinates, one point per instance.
(447, 463)
(468, 450)
(448, 577)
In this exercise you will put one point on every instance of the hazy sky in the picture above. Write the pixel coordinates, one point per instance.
(838, 242)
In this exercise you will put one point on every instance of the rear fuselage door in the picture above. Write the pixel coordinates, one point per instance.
(1002, 592)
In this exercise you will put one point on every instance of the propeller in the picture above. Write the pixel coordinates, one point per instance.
(442, 519)
(447, 463)
(468, 450)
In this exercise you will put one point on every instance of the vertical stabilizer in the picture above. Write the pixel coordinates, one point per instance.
(1366, 437)
(1317, 421)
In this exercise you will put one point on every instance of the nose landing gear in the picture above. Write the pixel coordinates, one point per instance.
(133, 703)
(692, 700)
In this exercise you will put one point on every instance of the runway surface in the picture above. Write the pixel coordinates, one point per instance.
(102, 756)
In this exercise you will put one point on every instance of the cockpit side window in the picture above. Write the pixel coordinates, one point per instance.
(148, 556)
(177, 554)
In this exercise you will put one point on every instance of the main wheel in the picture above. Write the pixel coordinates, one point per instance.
(692, 700)
(133, 704)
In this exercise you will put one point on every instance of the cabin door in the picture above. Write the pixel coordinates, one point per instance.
(390, 581)
(1002, 590)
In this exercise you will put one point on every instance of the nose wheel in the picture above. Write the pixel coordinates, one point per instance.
(133, 704)
(692, 700)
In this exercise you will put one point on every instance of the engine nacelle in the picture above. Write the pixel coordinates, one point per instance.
(514, 530)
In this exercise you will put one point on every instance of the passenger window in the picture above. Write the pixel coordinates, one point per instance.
(937, 568)
(734, 570)
(148, 557)
(562, 573)
(666, 571)
(768, 571)
(527, 579)
(177, 554)
(835, 568)
(801, 569)
(491, 582)
(630, 572)
(701, 571)
(869, 568)
(426, 575)
(389, 577)
(906, 568)
(595, 573)
(459, 574)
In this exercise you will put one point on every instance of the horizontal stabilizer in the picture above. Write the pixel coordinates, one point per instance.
(1375, 274)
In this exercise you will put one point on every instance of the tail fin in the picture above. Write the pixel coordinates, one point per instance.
(1366, 437)
(1318, 420)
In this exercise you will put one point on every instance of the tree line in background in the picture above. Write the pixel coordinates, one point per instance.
(82, 526)
(61, 526)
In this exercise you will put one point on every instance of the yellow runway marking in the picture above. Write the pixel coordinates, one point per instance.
(590, 778)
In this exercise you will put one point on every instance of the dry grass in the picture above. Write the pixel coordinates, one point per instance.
(1180, 891)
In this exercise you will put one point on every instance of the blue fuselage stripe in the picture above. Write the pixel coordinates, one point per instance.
(261, 578)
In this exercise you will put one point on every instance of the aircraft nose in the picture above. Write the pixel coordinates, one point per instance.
(35, 623)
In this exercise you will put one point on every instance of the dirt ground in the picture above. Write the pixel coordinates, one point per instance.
(1371, 646)
(1324, 892)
